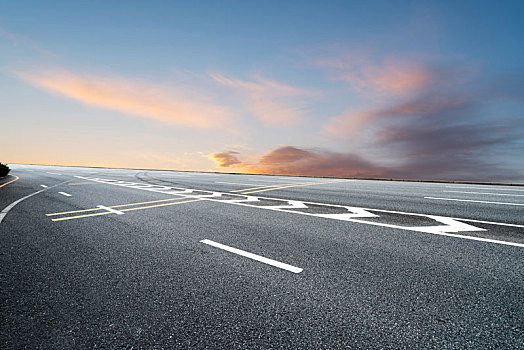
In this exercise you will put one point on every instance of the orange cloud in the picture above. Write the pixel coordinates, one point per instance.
(272, 102)
(225, 159)
(389, 76)
(288, 160)
(150, 101)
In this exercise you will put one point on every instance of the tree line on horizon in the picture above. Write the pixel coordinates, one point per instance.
(4, 170)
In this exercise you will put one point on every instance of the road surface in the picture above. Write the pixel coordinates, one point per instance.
(117, 258)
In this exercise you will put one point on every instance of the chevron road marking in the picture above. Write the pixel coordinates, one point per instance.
(446, 226)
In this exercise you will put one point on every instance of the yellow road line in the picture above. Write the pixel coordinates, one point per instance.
(82, 216)
(307, 184)
(116, 206)
(74, 211)
(162, 205)
(7, 183)
(130, 209)
(174, 201)
(267, 186)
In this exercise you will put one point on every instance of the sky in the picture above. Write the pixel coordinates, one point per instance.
(430, 90)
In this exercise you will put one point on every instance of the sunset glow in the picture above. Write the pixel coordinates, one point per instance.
(326, 89)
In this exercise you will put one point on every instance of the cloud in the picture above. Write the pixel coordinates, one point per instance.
(20, 41)
(150, 101)
(420, 107)
(225, 159)
(454, 128)
(272, 102)
(388, 76)
(288, 160)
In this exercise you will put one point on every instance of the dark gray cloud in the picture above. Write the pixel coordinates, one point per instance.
(315, 162)
(454, 128)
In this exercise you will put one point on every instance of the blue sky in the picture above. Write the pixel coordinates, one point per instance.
(415, 89)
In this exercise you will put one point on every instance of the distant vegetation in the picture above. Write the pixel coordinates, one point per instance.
(4, 170)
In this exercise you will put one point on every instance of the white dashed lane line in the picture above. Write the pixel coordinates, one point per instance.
(6, 210)
(65, 194)
(253, 256)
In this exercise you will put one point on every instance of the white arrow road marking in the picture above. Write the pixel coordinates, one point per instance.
(182, 191)
(355, 213)
(245, 199)
(451, 225)
(290, 205)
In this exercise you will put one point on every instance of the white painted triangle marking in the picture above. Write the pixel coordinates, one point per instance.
(355, 213)
(290, 205)
(451, 225)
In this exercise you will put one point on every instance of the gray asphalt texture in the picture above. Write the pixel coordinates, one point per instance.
(143, 280)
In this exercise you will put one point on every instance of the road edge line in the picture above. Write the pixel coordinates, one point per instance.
(6, 210)
(7, 183)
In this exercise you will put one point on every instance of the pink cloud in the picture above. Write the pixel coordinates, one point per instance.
(389, 76)
(416, 109)
(272, 102)
(150, 101)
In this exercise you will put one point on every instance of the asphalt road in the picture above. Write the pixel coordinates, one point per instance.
(197, 260)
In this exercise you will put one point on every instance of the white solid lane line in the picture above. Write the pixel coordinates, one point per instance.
(491, 223)
(53, 173)
(65, 194)
(44, 186)
(470, 200)
(488, 193)
(110, 209)
(253, 256)
(354, 212)
(484, 188)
